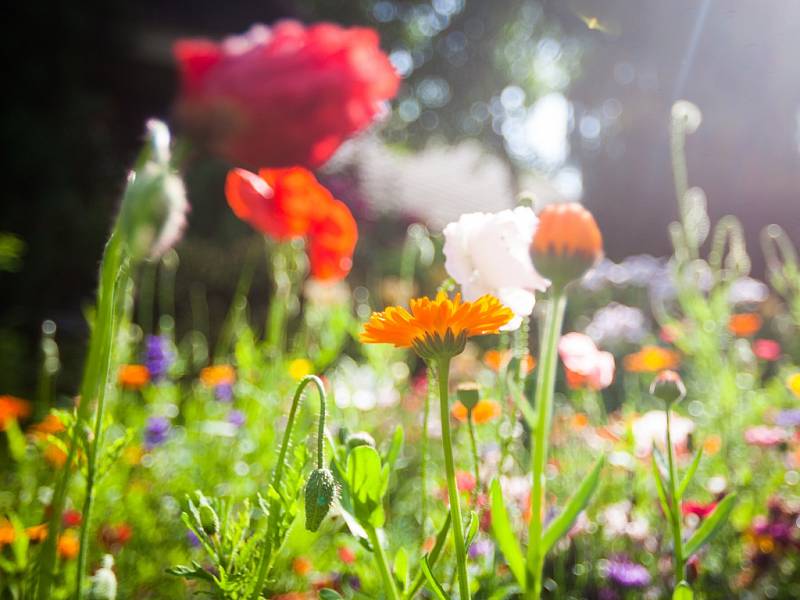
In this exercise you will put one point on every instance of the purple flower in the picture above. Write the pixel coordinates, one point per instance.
(194, 542)
(627, 574)
(156, 432)
(157, 356)
(236, 417)
(223, 392)
(788, 418)
(480, 547)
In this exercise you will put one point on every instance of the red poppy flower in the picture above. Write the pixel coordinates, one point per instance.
(283, 95)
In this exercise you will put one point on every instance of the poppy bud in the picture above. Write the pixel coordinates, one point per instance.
(567, 243)
(208, 518)
(360, 438)
(104, 581)
(321, 493)
(468, 394)
(668, 386)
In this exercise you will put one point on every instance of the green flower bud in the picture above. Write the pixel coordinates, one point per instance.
(468, 394)
(321, 493)
(104, 581)
(360, 438)
(208, 518)
(668, 386)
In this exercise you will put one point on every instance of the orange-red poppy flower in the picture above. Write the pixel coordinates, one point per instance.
(50, 425)
(68, 546)
(37, 533)
(133, 377)
(436, 327)
(218, 375)
(13, 408)
(483, 412)
(497, 360)
(567, 242)
(651, 359)
(744, 324)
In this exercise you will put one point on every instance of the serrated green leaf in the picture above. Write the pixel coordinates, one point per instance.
(662, 493)
(579, 500)
(504, 535)
(434, 585)
(710, 525)
(687, 477)
(683, 592)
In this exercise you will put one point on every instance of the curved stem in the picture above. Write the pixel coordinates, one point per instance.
(545, 385)
(383, 564)
(277, 475)
(676, 509)
(452, 488)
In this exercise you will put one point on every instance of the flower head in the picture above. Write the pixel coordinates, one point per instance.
(585, 365)
(651, 428)
(133, 377)
(283, 95)
(567, 242)
(68, 546)
(217, 375)
(668, 386)
(497, 360)
(488, 254)
(768, 350)
(436, 327)
(158, 357)
(12, 408)
(156, 431)
(744, 324)
(764, 436)
(651, 359)
(793, 383)
(628, 574)
(483, 412)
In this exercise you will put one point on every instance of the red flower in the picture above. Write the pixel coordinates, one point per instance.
(114, 537)
(283, 95)
(698, 508)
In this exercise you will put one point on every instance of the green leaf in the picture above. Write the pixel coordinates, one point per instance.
(662, 493)
(687, 477)
(433, 556)
(683, 592)
(504, 535)
(711, 525)
(400, 567)
(434, 585)
(329, 594)
(366, 482)
(395, 447)
(559, 527)
(472, 528)
(16, 440)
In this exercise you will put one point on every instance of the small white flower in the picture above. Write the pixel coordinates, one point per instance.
(651, 428)
(489, 254)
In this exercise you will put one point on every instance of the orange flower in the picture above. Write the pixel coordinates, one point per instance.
(497, 360)
(651, 359)
(68, 546)
(436, 327)
(7, 534)
(483, 412)
(579, 421)
(55, 455)
(712, 444)
(567, 242)
(50, 425)
(133, 377)
(218, 375)
(13, 408)
(301, 566)
(744, 324)
(37, 533)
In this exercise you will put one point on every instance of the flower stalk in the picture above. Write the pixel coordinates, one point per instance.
(675, 510)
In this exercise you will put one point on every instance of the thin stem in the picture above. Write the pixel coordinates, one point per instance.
(443, 372)
(676, 509)
(423, 467)
(278, 309)
(277, 475)
(475, 458)
(545, 385)
(383, 564)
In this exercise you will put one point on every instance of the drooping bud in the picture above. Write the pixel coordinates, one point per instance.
(104, 581)
(468, 394)
(668, 386)
(208, 517)
(567, 243)
(360, 438)
(321, 492)
(154, 206)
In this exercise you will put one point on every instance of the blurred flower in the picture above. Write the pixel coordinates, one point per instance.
(55, 455)
(584, 364)
(7, 534)
(346, 555)
(768, 350)
(764, 436)
(299, 368)
(788, 418)
(301, 566)
(627, 574)
(12, 408)
(37, 533)
(498, 360)
(438, 327)
(483, 412)
(465, 481)
(793, 383)
(104, 581)
(651, 428)
(218, 375)
(651, 359)
(567, 242)
(488, 254)
(158, 357)
(668, 386)
(114, 537)
(236, 418)
(480, 547)
(71, 518)
(284, 95)
(50, 425)
(744, 324)
(156, 432)
(699, 509)
(133, 377)
(616, 324)
(747, 290)
(618, 520)
(68, 546)
(712, 444)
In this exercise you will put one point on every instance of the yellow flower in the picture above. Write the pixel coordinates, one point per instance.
(438, 327)
(793, 383)
(300, 367)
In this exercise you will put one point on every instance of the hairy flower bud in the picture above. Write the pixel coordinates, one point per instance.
(668, 386)
(104, 581)
(208, 518)
(321, 493)
(360, 438)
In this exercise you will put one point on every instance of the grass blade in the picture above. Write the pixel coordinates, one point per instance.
(504, 535)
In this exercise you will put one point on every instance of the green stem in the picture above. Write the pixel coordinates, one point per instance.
(272, 521)
(475, 458)
(147, 284)
(676, 509)
(443, 372)
(545, 385)
(277, 315)
(423, 466)
(383, 564)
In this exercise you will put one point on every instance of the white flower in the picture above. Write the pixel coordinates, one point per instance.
(488, 254)
(651, 428)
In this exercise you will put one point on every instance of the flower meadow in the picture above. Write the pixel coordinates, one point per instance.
(511, 416)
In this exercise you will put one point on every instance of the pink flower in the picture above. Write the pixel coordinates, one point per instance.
(585, 365)
(284, 95)
(767, 349)
(765, 436)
